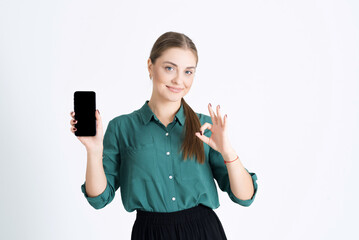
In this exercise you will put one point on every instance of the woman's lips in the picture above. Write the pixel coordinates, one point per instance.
(176, 90)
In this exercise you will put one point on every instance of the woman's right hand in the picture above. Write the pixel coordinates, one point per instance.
(94, 143)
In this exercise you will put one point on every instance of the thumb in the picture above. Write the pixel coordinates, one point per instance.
(97, 114)
(98, 119)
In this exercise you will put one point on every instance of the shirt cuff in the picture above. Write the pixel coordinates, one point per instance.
(99, 201)
(248, 202)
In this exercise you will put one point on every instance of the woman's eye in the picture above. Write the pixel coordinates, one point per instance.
(188, 72)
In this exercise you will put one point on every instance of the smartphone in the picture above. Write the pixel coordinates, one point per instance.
(85, 110)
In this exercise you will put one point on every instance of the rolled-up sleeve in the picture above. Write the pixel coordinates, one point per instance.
(111, 163)
(220, 173)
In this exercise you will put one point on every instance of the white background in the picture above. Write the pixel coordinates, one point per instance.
(285, 72)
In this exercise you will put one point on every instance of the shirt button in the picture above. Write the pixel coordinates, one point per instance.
(170, 177)
(168, 153)
(173, 198)
(166, 134)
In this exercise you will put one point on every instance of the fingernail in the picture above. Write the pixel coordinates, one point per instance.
(98, 111)
(210, 104)
(201, 133)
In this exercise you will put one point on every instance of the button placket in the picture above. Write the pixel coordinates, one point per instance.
(170, 175)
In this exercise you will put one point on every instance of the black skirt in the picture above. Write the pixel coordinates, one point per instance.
(196, 223)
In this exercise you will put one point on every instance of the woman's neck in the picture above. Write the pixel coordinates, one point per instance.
(165, 111)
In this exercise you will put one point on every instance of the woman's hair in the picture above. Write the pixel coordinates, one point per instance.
(192, 145)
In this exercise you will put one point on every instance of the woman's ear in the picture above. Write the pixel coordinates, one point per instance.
(149, 66)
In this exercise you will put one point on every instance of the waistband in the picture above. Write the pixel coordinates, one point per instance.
(194, 213)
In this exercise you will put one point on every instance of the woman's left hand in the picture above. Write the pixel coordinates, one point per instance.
(219, 139)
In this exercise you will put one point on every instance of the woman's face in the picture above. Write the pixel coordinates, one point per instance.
(175, 68)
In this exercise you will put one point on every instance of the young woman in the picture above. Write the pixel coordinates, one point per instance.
(161, 158)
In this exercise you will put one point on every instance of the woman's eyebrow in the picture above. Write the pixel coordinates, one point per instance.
(175, 64)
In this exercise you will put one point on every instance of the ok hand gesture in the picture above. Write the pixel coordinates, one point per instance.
(219, 140)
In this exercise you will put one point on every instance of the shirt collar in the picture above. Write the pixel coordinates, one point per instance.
(147, 114)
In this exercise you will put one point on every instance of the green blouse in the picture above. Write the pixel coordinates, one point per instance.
(143, 158)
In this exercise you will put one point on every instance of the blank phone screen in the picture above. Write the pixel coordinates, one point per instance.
(85, 107)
